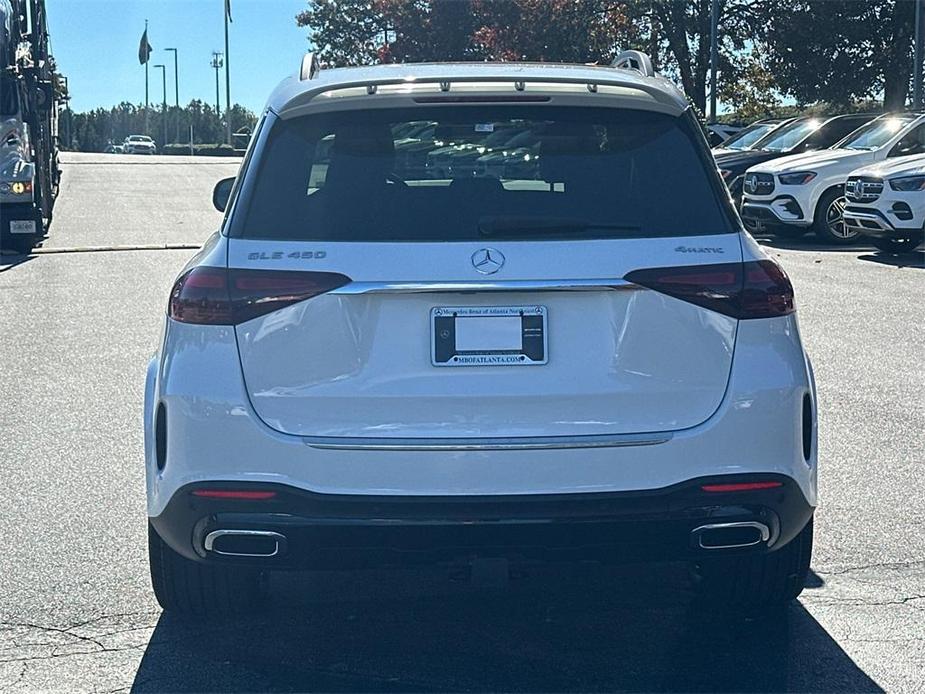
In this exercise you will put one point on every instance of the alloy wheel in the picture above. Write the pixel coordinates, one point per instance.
(835, 220)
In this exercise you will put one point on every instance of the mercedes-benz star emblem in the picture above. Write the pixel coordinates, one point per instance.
(488, 260)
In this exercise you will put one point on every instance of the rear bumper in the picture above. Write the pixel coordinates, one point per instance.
(300, 529)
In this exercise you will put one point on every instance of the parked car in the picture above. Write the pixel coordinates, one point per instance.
(799, 135)
(806, 192)
(717, 133)
(369, 366)
(139, 144)
(748, 136)
(114, 149)
(886, 203)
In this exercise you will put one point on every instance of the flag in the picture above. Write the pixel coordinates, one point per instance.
(228, 10)
(144, 48)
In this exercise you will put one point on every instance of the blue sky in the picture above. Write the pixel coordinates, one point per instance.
(96, 45)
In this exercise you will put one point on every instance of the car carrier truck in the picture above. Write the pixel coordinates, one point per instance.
(30, 101)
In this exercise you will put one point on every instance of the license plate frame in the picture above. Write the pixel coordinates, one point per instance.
(22, 226)
(533, 350)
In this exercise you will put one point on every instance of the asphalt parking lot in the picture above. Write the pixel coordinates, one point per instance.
(77, 327)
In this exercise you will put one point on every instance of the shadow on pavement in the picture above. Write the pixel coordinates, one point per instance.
(811, 243)
(578, 628)
(9, 260)
(914, 259)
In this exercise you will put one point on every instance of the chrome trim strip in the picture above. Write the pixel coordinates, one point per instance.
(867, 217)
(795, 221)
(487, 444)
(578, 285)
(762, 529)
(210, 539)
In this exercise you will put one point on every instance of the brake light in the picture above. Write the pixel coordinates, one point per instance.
(754, 289)
(223, 296)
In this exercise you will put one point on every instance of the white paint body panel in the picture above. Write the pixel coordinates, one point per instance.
(888, 170)
(621, 361)
(215, 433)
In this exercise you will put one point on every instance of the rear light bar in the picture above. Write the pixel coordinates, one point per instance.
(741, 486)
(229, 296)
(753, 289)
(244, 494)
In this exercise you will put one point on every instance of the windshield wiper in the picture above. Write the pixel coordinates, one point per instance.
(516, 226)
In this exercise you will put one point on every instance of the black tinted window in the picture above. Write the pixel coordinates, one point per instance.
(9, 102)
(464, 173)
(834, 130)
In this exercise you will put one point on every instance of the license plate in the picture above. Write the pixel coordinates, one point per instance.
(488, 335)
(22, 226)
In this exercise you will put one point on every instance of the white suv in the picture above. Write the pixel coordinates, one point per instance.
(373, 363)
(886, 202)
(139, 144)
(806, 191)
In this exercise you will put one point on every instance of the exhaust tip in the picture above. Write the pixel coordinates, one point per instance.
(245, 543)
(735, 535)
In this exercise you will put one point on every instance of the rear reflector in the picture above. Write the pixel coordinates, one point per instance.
(222, 296)
(250, 495)
(755, 289)
(741, 486)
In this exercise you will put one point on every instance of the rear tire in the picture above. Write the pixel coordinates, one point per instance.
(187, 587)
(896, 245)
(757, 582)
(829, 222)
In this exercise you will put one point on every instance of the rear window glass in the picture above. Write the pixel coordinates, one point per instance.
(460, 173)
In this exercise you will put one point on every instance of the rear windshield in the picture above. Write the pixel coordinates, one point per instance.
(460, 173)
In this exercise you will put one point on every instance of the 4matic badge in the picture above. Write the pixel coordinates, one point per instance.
(699, 249)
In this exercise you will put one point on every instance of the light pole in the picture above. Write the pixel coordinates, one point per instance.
(218, 62)
(176, 86)
(164, 111)
(917, 65)
(714, 39)
(227, 75)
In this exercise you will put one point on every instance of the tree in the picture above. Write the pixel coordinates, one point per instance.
(93, 130)
(840, 50)
(679, 30)
(359, 32)
(345, 32)
(551, 30)
(753, 94)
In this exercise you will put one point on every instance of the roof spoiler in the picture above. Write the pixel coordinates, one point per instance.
(634, 60)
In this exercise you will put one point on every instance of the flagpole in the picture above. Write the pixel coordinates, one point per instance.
(227, 80)
(147, 100)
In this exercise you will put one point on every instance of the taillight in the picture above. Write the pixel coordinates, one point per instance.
(222, 296)
(754, 289)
